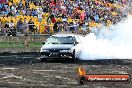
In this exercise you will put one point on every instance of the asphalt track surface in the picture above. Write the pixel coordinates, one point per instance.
(28, 71)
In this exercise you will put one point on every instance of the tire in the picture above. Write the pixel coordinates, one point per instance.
(72, 59)
(73, 56)
(43, 59)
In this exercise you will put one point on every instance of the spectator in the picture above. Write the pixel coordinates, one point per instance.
(31, 26)
(25, 27)
(12, 29)
(0, 25)
(11, 24)
(20, 26)
(34, 12)
(52, 17)
(68, 11)
(6, 27)
(40, 16)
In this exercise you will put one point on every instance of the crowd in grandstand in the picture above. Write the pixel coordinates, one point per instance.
(45, 16)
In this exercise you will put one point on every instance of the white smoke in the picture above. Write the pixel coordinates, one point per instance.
(112, 43)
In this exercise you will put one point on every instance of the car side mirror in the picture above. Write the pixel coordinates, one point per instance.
(43, 42)
(76, 43)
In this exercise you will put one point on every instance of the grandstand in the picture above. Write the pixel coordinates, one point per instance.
(51, 16)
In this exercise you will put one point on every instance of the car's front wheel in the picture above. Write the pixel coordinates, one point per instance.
(73, 56)
(43, 59)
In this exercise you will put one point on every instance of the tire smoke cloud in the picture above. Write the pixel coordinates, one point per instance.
(112, 43)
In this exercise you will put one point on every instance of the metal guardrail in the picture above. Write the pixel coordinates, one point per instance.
(18, 33)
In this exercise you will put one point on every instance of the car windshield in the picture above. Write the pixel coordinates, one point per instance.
(60, 40)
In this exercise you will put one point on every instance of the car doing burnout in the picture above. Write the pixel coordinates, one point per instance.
(60, 46)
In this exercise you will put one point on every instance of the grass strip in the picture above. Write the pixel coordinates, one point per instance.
(10, 44)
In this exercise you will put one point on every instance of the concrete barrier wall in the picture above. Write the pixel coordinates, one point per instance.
(33, 38)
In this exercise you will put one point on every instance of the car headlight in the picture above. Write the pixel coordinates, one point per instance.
(66, 50)
(43, 50)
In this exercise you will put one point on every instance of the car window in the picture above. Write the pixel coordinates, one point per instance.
(60, 40)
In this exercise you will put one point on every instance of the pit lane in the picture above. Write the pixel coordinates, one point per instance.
(27, 70)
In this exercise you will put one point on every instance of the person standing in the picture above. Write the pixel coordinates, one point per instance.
(20, 26)
(52, 18)
(25, 27)
(6, 27)
(1, 25)
(31, 25)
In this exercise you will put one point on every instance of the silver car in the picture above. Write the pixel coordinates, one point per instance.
(60, 46)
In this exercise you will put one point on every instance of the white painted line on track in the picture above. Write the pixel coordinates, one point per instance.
(44, 70)
(9, 68)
